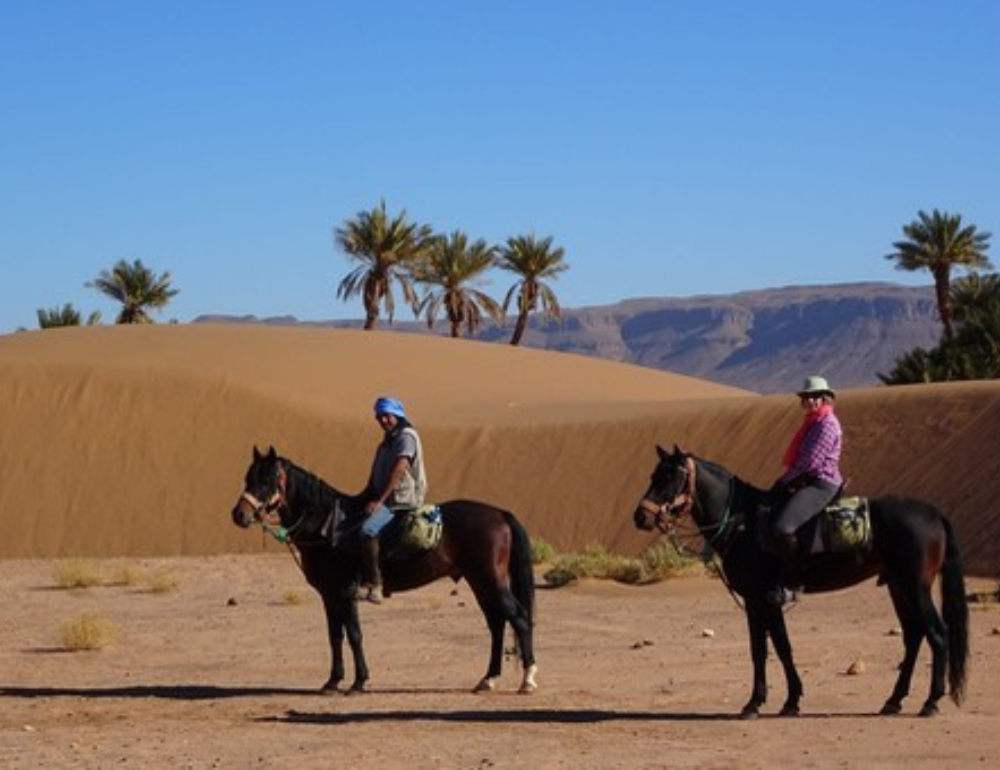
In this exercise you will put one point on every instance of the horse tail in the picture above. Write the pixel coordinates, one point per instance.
(522, 573)
(956, 614)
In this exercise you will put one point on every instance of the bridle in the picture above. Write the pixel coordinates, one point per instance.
(264, 511)
(665, 514)
(668, 513)
(267, 513)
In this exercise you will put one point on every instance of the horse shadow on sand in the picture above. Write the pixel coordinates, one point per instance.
(492, 713)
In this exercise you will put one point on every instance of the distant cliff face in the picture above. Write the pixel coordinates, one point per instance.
(765, 341)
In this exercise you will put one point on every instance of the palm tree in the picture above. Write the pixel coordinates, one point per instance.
(973, 295)
(452, 265)
(938, 243)
(138, 289)
(916, 366)
(388, 250)
(67, 315)
(973, 352)
(976, 300)
(533, 260)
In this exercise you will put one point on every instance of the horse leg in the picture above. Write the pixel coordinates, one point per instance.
(937, 638)
(907, 610)
(758, 653)
(496, 624)
(335, 632)
(783, 648)
(524, 634)
(352, 624)
(492, 605)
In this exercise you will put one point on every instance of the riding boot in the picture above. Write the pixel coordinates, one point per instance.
(371, 575)
(789, 583)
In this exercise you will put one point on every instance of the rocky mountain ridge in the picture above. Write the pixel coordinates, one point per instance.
(763, 340)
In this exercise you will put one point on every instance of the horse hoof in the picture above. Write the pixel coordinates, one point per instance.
(528, 684)
(789, 711)
(891, 709)
(329, 689)
(929, 710)
(749, 712)
(357, 689)
(486, 684)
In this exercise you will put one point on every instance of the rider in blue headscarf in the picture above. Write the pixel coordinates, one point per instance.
(398, 481)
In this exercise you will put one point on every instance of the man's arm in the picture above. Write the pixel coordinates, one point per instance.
(399, 471)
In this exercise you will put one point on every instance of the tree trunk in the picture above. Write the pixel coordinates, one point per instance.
(942, 289)
(522, 322)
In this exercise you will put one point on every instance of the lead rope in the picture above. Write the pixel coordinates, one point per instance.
(718, 531)
(282, 536)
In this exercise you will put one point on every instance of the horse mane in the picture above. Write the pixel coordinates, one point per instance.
(722, 470)
(315, 490)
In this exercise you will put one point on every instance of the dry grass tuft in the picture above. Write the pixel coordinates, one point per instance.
(162, 582)
(291, 596)
(88, 632)
(77, 573)
(127, 574)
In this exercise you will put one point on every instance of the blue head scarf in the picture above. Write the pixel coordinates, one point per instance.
(391, 406)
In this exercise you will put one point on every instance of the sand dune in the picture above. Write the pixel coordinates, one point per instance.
(133, 440)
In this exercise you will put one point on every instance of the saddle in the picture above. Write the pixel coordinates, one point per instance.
(842, 527)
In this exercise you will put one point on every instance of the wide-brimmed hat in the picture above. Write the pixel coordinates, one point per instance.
(815, 385)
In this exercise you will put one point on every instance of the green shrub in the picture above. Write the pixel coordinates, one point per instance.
(557, 577)
(596, 562)
(542, 552)
(659, 562)
(663, 560)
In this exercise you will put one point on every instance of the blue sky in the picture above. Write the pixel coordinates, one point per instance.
(672, 148)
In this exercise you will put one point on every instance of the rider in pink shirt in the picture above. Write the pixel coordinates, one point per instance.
(810, 481)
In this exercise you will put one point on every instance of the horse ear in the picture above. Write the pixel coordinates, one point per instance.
(271, 454)
(678, 451)
(662, 453)
(256, 453)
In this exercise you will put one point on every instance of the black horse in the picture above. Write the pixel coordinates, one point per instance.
(911, 544)
(485, 545)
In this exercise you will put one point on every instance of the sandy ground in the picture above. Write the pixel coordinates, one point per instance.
(222, 670)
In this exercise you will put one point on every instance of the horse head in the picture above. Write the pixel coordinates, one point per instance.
(263, 489)
(671, 491)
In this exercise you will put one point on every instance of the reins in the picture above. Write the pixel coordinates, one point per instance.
(264, 511)
(294, 535)
(712, 534)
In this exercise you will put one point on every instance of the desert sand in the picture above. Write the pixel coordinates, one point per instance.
(129, 444)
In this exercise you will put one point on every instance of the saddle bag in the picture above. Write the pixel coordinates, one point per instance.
(415, 532)
(846, 525)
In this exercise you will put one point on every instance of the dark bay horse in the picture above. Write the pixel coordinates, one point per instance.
(485, 545)
(912, 543)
